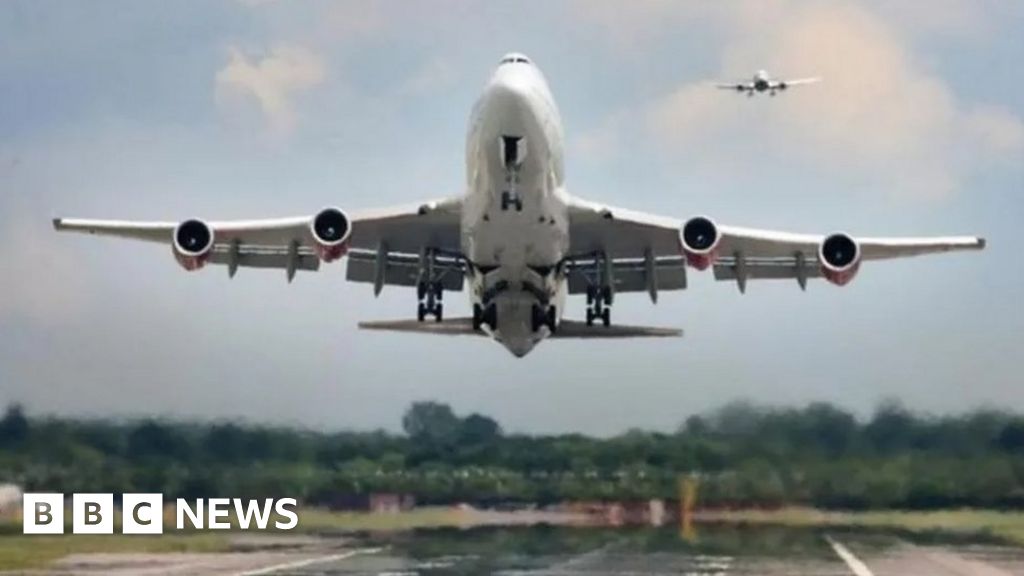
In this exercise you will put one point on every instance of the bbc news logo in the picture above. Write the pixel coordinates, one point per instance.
(144, 514)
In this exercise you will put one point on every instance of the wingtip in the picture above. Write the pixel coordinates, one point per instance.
(58, 223)
(981, 242)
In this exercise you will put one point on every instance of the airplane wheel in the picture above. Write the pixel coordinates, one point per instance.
(438, 312)
(478, 317)
(421, 312)
(505, 200)
(551, 319)
(536, 317)
(590, 316)
(519, 205)
(606, 317)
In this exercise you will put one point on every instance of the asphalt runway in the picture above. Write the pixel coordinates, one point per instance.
(588, 552)
(901, 560)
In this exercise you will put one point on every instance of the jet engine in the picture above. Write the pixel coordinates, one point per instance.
(331, 229)
(700, 242)
(839, 255)
(193, 243)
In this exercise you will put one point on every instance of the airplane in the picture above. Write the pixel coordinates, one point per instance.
(763, 82)
(516, 240)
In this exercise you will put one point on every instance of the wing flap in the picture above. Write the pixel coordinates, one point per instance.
(630, 275)
(767, 269)
(264, 258)
(403, 270)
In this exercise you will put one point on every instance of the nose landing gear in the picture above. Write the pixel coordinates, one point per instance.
(513, 153)
(510, 199)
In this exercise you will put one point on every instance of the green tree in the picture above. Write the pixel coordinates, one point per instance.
(14, 427)
(432, 422)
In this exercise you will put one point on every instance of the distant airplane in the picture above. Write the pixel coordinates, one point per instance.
(763, 82)
(517, 237)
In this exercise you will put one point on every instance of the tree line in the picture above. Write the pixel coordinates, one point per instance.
(742, 455)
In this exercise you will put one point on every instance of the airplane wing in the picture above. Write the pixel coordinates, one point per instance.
(633, 251)
(783, 84)
(738, 86)
(394, 236)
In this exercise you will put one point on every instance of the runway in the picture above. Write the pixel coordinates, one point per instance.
(590, 552)
(902, 559)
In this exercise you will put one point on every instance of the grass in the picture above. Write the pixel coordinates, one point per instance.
(21, 552)
(1008, 526)
(319, 520)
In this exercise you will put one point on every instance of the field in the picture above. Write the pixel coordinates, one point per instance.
(18, 551)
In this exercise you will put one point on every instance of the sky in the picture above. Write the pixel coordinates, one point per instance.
(263, 108)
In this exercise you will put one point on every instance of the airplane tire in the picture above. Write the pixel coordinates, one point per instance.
(606, 317)
(536, 318)
(590, 316)
(490, 316)
(421, 312)
(438, 312)
(478, 317)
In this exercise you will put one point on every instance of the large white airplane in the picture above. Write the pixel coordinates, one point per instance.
(517, 238)
(763, 82)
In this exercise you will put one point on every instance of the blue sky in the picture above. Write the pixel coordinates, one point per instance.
(265, 108)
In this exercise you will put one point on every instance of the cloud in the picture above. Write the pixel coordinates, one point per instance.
(272, 82)
(41, 282)
(997, 129)
(877, 113)
(433, 75)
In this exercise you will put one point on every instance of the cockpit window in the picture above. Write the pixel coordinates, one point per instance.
(515, 59)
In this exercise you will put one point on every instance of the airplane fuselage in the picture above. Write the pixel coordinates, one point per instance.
(515, 231)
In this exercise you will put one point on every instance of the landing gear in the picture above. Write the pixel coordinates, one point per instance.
(599, 305)
(544, 316)
(602, 293)
(429, 289)
(430, 294)
(485, 315)
(510, 199)
(513, 153)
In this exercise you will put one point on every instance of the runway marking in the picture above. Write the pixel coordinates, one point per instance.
(856, 566)
(308, 562)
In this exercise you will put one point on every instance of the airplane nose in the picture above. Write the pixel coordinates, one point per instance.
(509, 91)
